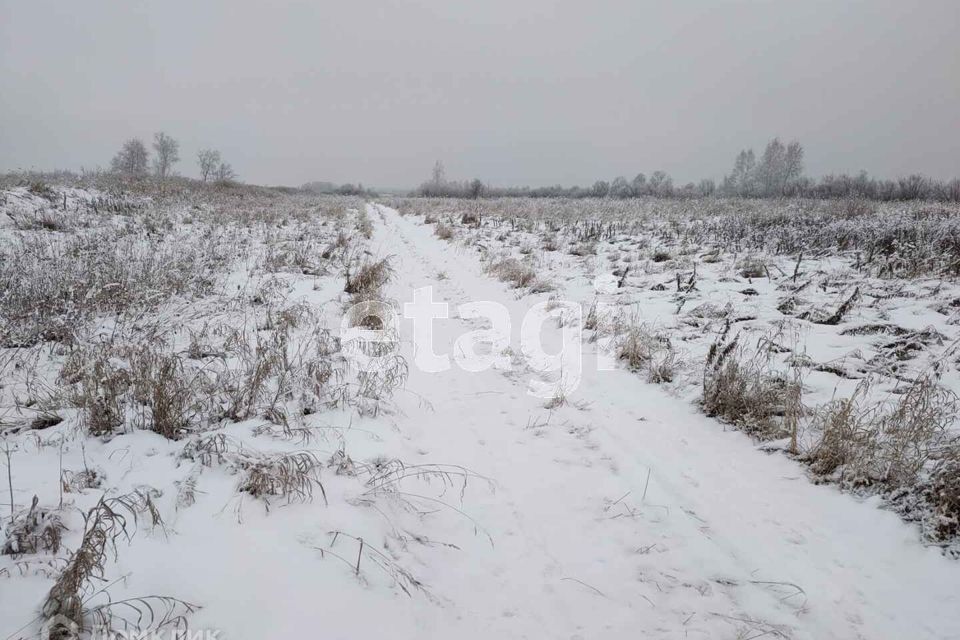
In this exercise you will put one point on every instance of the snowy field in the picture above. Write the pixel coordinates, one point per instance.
(741, 422)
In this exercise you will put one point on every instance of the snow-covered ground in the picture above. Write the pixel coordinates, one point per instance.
(458, 504)
(841, 320)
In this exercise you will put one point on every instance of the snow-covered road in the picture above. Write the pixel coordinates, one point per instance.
(625, 513)
(622, 512)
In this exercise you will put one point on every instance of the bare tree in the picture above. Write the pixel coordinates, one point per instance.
(166, 154)
(620, 188)
(793, 165)
(770, 171)
(741, 180)
(209, 161)
(661, 184)
(476, 188)
(600, 189)
(439, 177)
(225, 173)
(912, 187)
(131, 160)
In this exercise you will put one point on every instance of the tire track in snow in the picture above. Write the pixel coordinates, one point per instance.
(707, 531)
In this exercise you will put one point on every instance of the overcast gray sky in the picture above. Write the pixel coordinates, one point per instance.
(512, 91)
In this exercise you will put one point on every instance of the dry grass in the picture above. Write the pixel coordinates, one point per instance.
(36, 530)
(513, 271)
(866, 443)
(99, 388)
(120, 289)
(364, 224)
(741, 390)
(366, 280)
(752, 267)
(443, 231)
(162, 387)
(644, 350)
(51, 287)
(298, 254)
(292, 476)
(110, 520)
(943, 496)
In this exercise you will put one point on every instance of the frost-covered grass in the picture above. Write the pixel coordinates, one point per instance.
(782, 318)
(204, 445)
(200, 324)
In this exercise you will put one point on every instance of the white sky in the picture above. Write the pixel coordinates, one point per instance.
(511, 91)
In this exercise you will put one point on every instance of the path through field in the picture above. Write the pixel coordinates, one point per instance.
(626, 514)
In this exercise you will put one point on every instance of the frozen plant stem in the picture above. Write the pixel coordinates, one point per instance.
(6, 451)
(359, 554)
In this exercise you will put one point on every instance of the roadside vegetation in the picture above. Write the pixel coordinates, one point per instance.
(192, 327)
(825, 328)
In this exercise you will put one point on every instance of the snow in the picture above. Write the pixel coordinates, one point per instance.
(621, 513)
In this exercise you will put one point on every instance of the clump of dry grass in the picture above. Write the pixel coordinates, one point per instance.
(375, 383)
(511, 270)
(109, 383)
(366, 280)
(664, 368)
(289, 475)
(271, 369)
(99, 389)
(943, 496)
(245, 387)
(864, 443)
(36, 530)
(44, 220)
(298, 255)
(110, 520)
(293, 476)
(364, 224)
(846, 431)
(443, 231)
(211, 448)
(742, 391)
(661, 255)
(637, 345)
(641, 349)
(162, 387)
(752, 267)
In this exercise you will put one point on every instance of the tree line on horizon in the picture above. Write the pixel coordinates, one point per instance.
(133, 160)
(776, 173)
